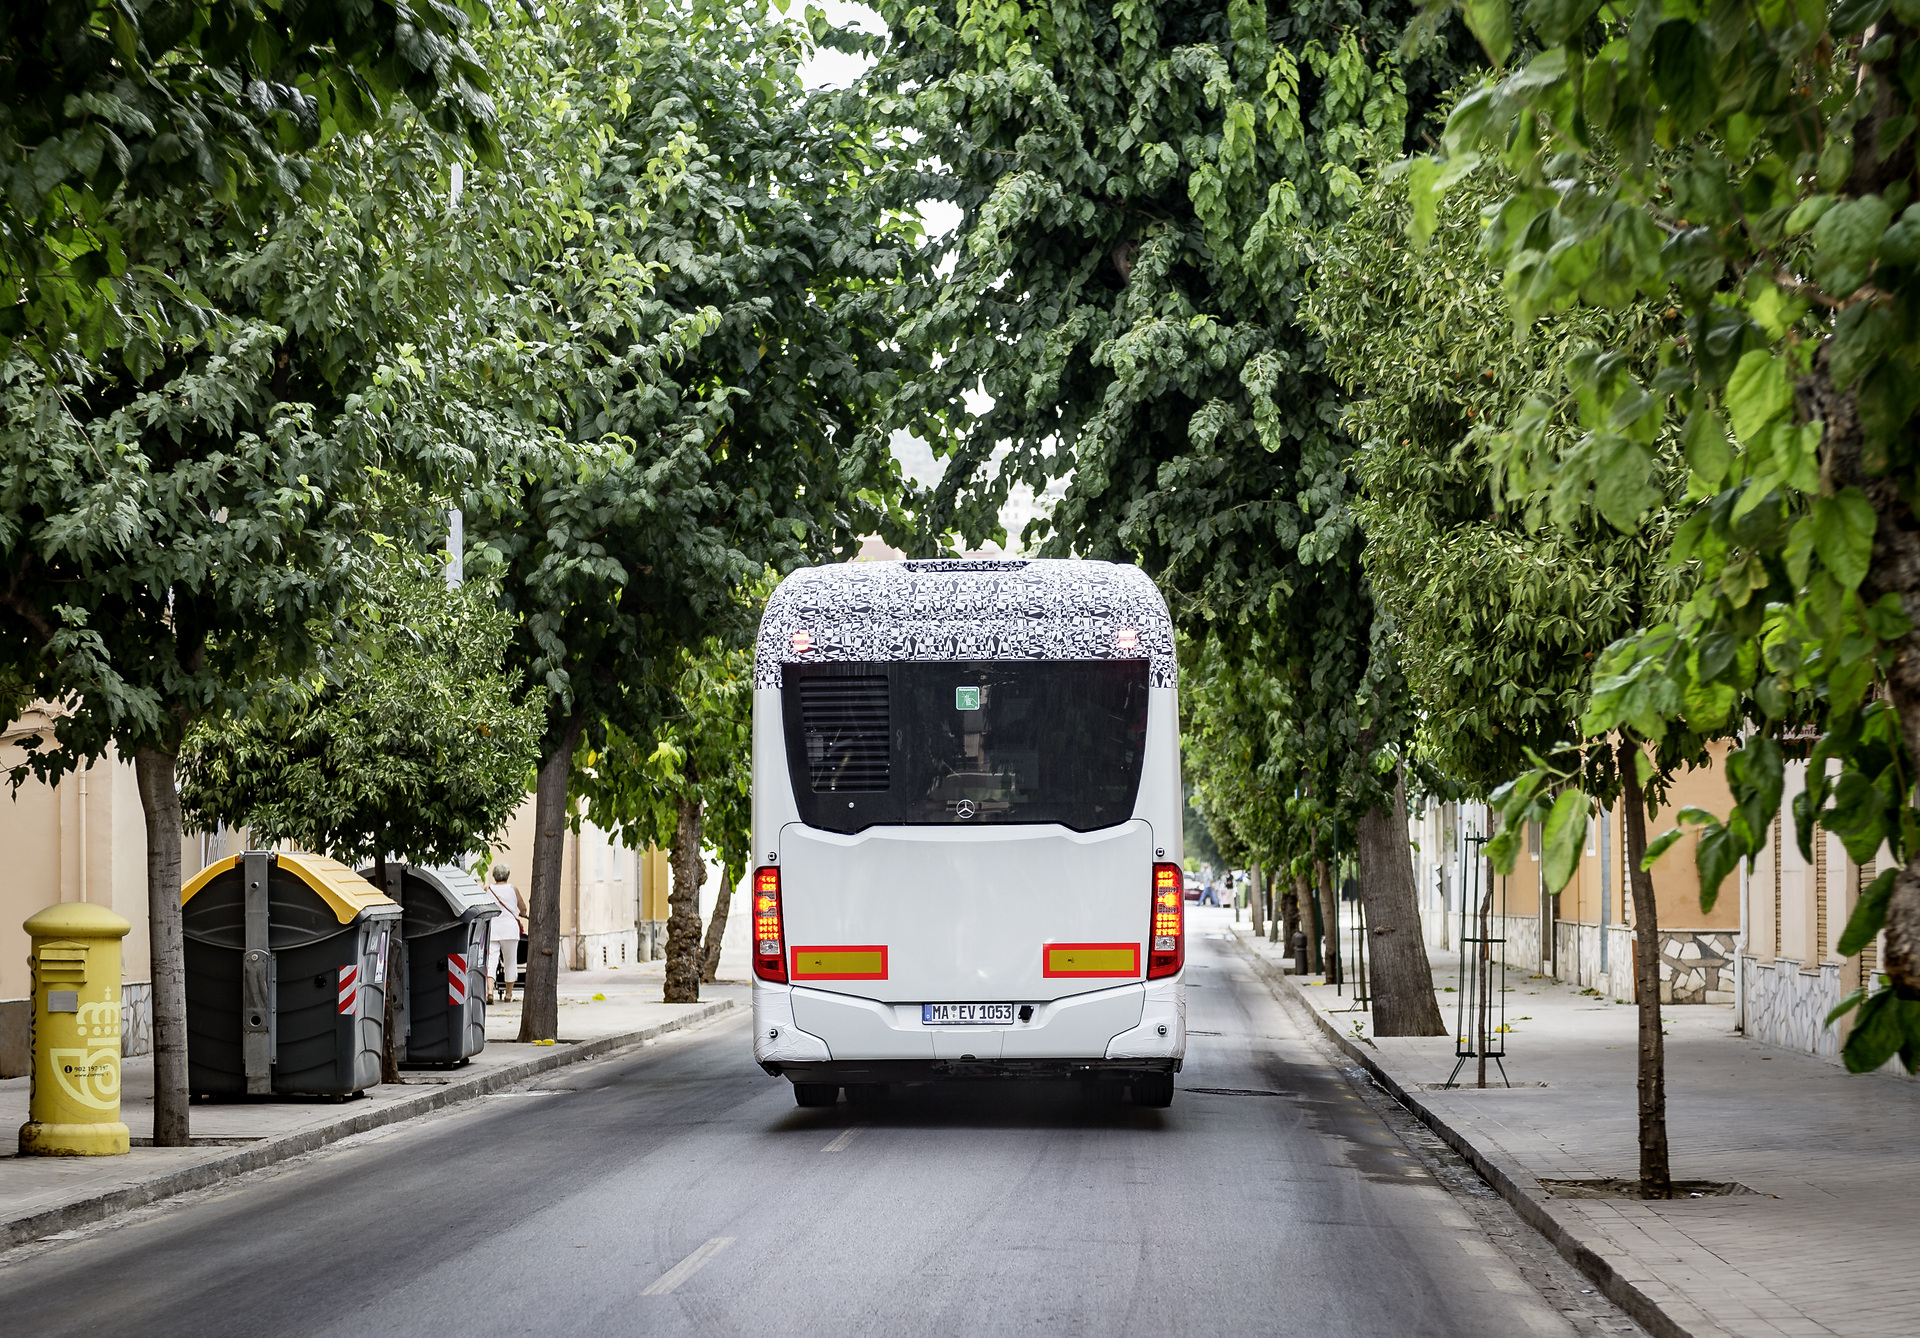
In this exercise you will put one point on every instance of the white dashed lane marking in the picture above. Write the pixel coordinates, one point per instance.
(687, 1267)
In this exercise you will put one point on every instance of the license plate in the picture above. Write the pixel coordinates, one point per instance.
(991, 1014)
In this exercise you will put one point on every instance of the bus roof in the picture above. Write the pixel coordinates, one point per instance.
(965, 609)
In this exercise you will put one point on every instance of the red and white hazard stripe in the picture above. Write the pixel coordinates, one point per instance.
(349, 988)
(456, 980)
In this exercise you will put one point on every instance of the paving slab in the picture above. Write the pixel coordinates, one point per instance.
(1819, 1247)
(600, 1011)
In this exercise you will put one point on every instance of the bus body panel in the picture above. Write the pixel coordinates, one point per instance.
(966, 914)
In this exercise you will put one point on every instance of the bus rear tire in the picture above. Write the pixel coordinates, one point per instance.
(815, 1093)
(1154, 1090)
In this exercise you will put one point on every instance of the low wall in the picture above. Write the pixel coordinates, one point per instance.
(1696, 966)
(1787, 1006)
(136, 1018)
(597, 952)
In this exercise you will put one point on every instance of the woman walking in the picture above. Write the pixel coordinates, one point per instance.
(503, 948)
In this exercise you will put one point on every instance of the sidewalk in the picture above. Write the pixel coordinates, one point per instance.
(1823, 1246)
(600, 1011)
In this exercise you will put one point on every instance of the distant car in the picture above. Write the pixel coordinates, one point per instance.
(1193, 888)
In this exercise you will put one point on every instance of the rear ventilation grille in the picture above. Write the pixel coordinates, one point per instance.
(847, 723)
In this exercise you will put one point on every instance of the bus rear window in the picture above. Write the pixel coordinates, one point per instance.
(967, 742)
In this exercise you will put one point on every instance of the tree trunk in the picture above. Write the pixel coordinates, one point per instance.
(1402, 985)
(1894, 569)
(1327, 933)
(683, 903)
(1656, 1176)
(1291, 902)
(1257, 908)
(160, 806)
(390, 1038)
(716, 930)
(540, 1004)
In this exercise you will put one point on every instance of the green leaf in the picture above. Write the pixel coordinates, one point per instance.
(1715, 856)
(1623, 487)
(1878, 1034)
(1807, 213)
(1847, 1005)
(1683, 71)
(1843, 529)
(1556, 21)
(1869, 915)
(1492, 22)
(1660, 845)
(1900, 243)
(1845, 240)
(1758, 392)
(1862, 335)
(1562, 837)
(1704, 441)
(1885, 402)
(1854, 16)
(1504, 849)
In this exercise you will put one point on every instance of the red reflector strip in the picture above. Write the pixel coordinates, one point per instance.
(349, 988)
(867, 961)
(1078, 961)
(456, 980)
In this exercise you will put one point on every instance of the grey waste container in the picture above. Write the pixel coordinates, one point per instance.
(286, 960)
(445, 919)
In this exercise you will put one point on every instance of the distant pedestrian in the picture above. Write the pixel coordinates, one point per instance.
(1209, 897)
(503, 947)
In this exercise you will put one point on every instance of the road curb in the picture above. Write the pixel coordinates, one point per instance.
(98, 1207)
(1513, 1182)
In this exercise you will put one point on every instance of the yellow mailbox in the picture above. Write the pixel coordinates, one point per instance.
(75, 1107)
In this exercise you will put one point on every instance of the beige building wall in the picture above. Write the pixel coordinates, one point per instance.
(83, 839)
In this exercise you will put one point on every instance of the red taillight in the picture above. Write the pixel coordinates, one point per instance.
(1167, 948)
(769, 935)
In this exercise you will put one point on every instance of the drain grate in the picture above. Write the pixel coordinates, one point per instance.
(1229, 1091)
(1192, 1032)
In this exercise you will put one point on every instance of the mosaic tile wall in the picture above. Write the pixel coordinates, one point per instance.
(1788, 1007)
(136, 1018)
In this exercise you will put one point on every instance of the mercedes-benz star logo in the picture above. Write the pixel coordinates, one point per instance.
(964, 808)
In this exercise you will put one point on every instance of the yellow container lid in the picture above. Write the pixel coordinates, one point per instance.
(346, 892)
(76, 919)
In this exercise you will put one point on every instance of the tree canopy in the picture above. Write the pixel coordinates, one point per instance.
(411, 742)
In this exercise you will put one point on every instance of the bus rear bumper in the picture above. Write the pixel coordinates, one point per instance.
(1134, 1027)
(842, 1071)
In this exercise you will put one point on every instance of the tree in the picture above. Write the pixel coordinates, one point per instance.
(209, 102)
(178, 515)
(687, 788)
(725, 341)
(1501, 590)
(1138, 184)
(1496, 613)
(410, 742)
(1764, 170)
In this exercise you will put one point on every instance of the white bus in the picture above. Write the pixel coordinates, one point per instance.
(967, 828)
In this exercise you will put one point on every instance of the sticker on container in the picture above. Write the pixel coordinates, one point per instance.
(349, 988)
(966, 699)
(456, 980)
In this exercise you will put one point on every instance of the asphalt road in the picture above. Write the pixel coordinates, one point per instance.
(677, 1189)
